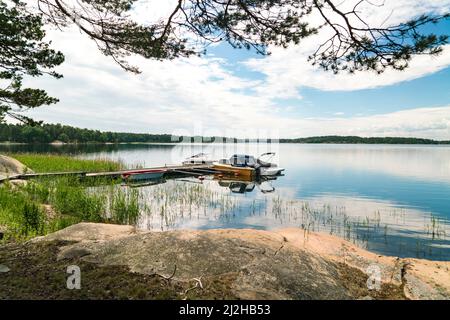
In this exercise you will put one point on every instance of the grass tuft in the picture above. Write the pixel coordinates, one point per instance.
(40, 163)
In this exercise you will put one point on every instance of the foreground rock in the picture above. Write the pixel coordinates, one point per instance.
(87, 232)
(262, 265)
(11, 167)
(122, 262)
(419, 278)
(284, 264)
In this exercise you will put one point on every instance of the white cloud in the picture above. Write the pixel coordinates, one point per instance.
(286, 74)
(431, 123)
(200, 94)
(287, 70)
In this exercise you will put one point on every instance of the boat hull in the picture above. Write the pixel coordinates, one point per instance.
(236, 171)
(143, 175)
(197, 162)
(271, 171)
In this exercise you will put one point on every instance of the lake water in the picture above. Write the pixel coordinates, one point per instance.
(389, 199)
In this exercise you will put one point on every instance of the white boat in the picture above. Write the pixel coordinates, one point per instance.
(265, 167)
(201, 158)
(262, 166)
(144, 174)
(270, 171)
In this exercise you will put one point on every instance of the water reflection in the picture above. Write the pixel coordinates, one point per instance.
(230, 202)
(263, 184)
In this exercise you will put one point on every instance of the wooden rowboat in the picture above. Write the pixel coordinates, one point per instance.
(236, 171)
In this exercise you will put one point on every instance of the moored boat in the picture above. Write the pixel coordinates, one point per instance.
(236, 171)
(145, 174)
(265, 167)
(246, 165)
(270, 171)
(201, 158)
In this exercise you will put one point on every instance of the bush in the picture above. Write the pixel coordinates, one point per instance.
(77, 201)
(22, 217)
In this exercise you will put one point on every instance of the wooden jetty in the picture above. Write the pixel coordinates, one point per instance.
(200, 169)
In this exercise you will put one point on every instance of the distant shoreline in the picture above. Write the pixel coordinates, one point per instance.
(430, 143)
(212, 143)
(58, 135)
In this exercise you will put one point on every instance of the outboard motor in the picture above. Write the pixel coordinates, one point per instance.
(265, 164)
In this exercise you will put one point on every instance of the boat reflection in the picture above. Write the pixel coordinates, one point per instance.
(263, 184)
(236, 184)
(145, 183)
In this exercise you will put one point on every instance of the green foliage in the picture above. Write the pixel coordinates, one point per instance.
(115, 33)
(50, 132)
(39, 192)
(357, 48)
(124, 206)
(62, 222)
(23, 52)
(50, 204)
(32, 218)
(71, 198)
(191, 26)
(22, 213)
(22, 217)
(356, 140)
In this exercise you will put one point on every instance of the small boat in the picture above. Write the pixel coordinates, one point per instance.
(233, 170)
(242, 185)
(247, 165)
(237, 187)
(270, 171)
(145, 183)
(221, 176)
(144, 174)
(201, 158)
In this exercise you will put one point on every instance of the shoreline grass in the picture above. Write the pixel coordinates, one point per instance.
(59, 163)
(45, 205)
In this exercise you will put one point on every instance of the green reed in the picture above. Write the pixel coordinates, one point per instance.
(62, 163)
(124, 206)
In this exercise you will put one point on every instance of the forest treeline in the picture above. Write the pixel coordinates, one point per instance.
(47, 133)
(356, 140)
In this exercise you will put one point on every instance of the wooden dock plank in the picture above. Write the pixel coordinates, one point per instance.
(195, 169)
(169, 168)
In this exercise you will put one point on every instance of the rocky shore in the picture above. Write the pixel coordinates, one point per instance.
(120, 262)
(10, 167)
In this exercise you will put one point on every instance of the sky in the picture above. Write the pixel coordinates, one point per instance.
(237, 93)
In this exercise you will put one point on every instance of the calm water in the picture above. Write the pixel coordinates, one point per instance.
(389, 199)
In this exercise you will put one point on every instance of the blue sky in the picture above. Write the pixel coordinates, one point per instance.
(234, 92)
(428, 91)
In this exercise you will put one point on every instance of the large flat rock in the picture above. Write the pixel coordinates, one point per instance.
(262, 264)
(282, 264)
(86, 232)
(420, 278)
(10, 167)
